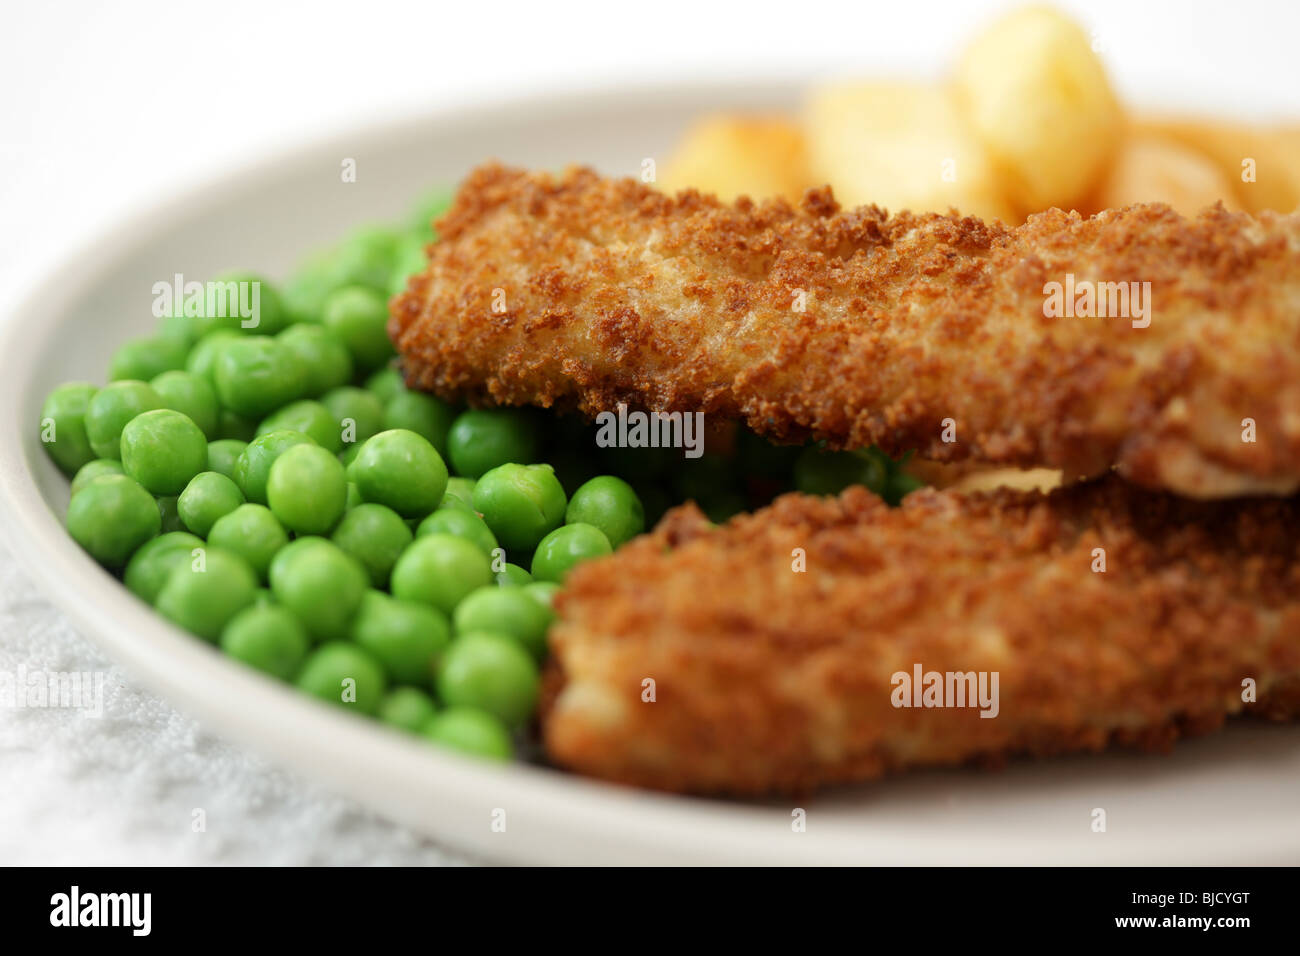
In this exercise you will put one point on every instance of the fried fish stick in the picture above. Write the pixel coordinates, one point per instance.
(764, 655)
(923, 332)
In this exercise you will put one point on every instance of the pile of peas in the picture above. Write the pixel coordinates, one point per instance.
(278, 491)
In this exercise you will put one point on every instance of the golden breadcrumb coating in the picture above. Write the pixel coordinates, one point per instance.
(768, 679)
(575, 290)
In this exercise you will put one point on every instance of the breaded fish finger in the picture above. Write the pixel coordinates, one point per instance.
(923, 332)
(701, 659)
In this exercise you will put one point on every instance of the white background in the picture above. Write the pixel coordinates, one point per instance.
(107, 106)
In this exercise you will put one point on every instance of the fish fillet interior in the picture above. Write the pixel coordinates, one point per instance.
(762, 656)
(923, 332)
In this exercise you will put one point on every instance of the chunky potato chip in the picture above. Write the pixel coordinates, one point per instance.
(900, 146)
(1038, 98)
(733, 156)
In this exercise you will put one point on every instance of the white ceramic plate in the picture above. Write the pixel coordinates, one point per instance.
(1227, 798)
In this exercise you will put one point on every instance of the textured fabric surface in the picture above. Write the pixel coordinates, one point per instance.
(123, 788)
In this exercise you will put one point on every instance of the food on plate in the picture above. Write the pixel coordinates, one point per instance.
(1036, 96)
(794, 648)
(1152, 169)
(1261, 161)
(901, 146)
(933, 333)
(733, 156)
(277, 490)
(348, 494)
(973, 476)
(1027, 121)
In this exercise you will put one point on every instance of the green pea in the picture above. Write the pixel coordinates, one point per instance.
(386, 384)
(423, 414)
(143, 359)
(482, 439)
(543, 592)
(111, 517)
(470, 731)
(235, 427)
(506, 611)
(311, 418)
(400, 469)
(169, 512)
(358, 315)
(407, 708)
(609, 504)
(245, 292)
(565, 547)
(305, 293)
(520, 503)
(268, 638)
(406, 637)
(376, 536)
(179, 327)
(900, 485)
(251, 532)
(344, 674)
(327, 361)
(192, 395)
(440, 569)
(358, 414)
(430, 206)
(722, 506)
(820, 472)
(154, 561)
(367, 254)
(208, 497)
(272, 315)
(451, 502)
(202, 360)
(320, 584)
(63, 426)
(223, 455)
(513, 576)
(354, 496)
(410, 261)
(111, 408)
(203, 594)
(489, 671)
(460, 488)
(461, 522)
(253, 466)
(163, 450)
(255, 375)
(95, 469)
(307, 489)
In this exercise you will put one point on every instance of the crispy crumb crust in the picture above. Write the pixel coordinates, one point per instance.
(768, 680)
(613, 292)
